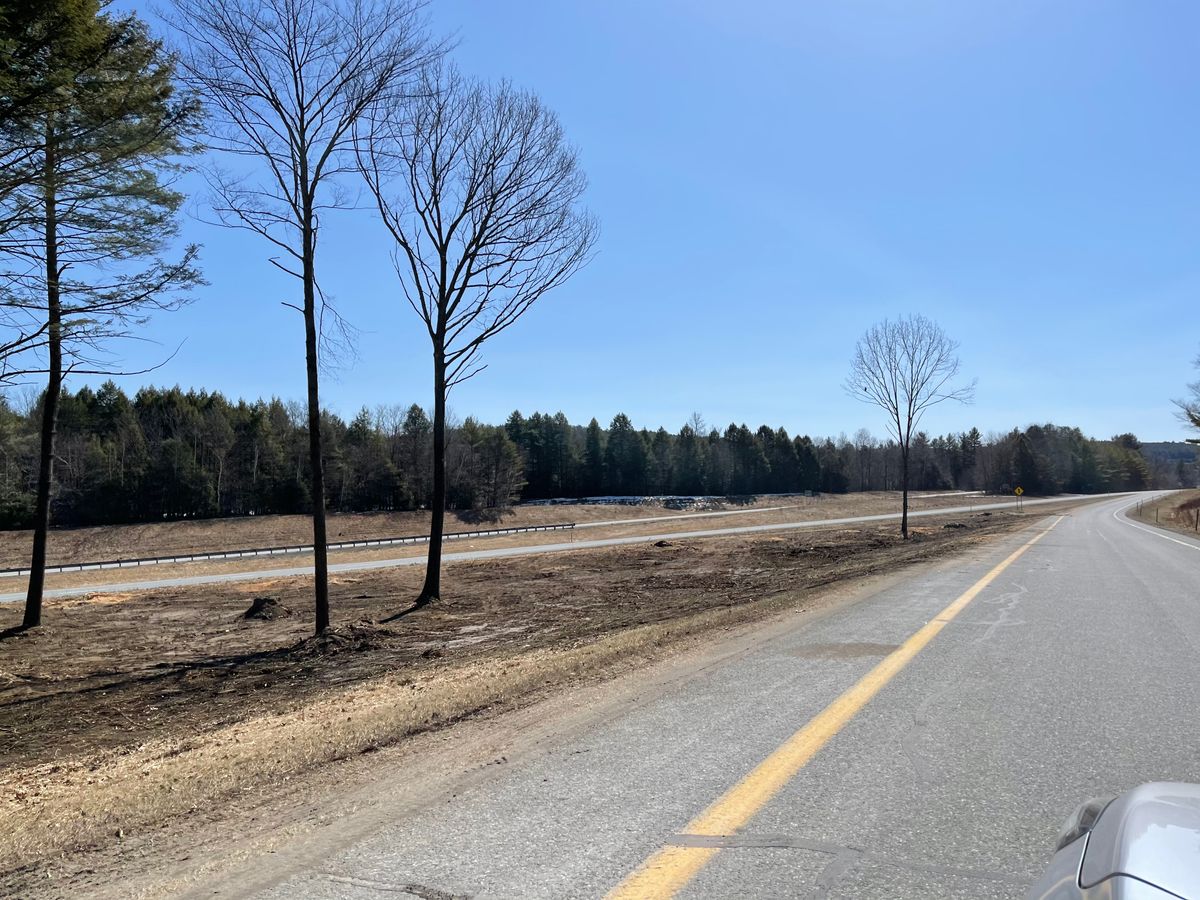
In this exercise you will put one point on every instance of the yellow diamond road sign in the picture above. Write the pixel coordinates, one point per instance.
(1019, 491)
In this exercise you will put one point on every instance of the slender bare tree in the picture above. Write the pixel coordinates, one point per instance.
(480, 191)
(905, 367)
(287, 81)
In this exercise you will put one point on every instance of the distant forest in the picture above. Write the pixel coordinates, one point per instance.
(167, 453)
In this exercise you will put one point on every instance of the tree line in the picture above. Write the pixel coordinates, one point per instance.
(166, 453)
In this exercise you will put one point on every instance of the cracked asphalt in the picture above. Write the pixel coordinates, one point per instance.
(1074, 673)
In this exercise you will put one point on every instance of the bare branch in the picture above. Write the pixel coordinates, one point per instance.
(288, 82)
(481, 193)
(905, 367)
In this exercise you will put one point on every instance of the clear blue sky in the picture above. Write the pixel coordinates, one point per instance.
(773, 177)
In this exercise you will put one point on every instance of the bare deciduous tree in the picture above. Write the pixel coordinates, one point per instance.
(905, 367)
(480, 191)
(287, 81)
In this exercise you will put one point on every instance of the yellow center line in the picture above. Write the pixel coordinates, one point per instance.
(672, 867)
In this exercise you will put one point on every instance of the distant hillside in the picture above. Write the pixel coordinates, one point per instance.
(1173, 463)
(1172, 451)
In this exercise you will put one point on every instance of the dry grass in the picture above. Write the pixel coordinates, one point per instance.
(1178, 512)
(61, 805)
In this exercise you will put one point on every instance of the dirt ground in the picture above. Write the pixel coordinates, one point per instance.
(112, 669)
(71, 545)
(1178, 512)
(121, 687)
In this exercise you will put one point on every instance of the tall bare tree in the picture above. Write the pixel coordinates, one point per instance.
(85, 236)
(480, 190)
(905, 367)
(287, 81)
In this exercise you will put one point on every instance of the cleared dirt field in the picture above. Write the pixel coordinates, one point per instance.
(131, 708)
(114, 668)
(67, 545)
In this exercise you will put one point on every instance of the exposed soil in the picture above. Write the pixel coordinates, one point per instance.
(116, 670)
(266, 609)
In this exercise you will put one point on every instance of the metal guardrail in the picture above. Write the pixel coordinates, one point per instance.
(280, 551)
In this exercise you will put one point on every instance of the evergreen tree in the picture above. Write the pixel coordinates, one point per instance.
(661, 465)
(96, 211)
(416, 448)
(807, 464)
(593, 459)
(834, 479)
(688, 472)
(969, 446)
(1028, 468)
(625, 458)
(499, 472)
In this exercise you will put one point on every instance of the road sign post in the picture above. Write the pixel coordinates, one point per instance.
(1019, 491)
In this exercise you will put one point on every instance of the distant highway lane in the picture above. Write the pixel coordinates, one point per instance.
(500, 552)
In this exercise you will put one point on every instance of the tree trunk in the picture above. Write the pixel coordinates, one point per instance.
(904, 493)
(41, 514)
(320, 541)
(432, 589)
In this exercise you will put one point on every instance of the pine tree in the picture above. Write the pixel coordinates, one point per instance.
(88, 228)
(593, 459)
(625, 458)
(807, 464)
(688, 473)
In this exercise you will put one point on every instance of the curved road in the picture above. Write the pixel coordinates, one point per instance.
(925, 739)
(297, 571)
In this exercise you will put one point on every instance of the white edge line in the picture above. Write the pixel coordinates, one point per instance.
(1119, 515)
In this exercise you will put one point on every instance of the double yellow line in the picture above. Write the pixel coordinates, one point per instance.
(672, 867)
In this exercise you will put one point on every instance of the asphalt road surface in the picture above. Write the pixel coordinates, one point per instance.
(924, 739)
(295, 571)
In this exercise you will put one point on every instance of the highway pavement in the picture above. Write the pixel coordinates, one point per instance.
(926, 738)
(300, 571)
